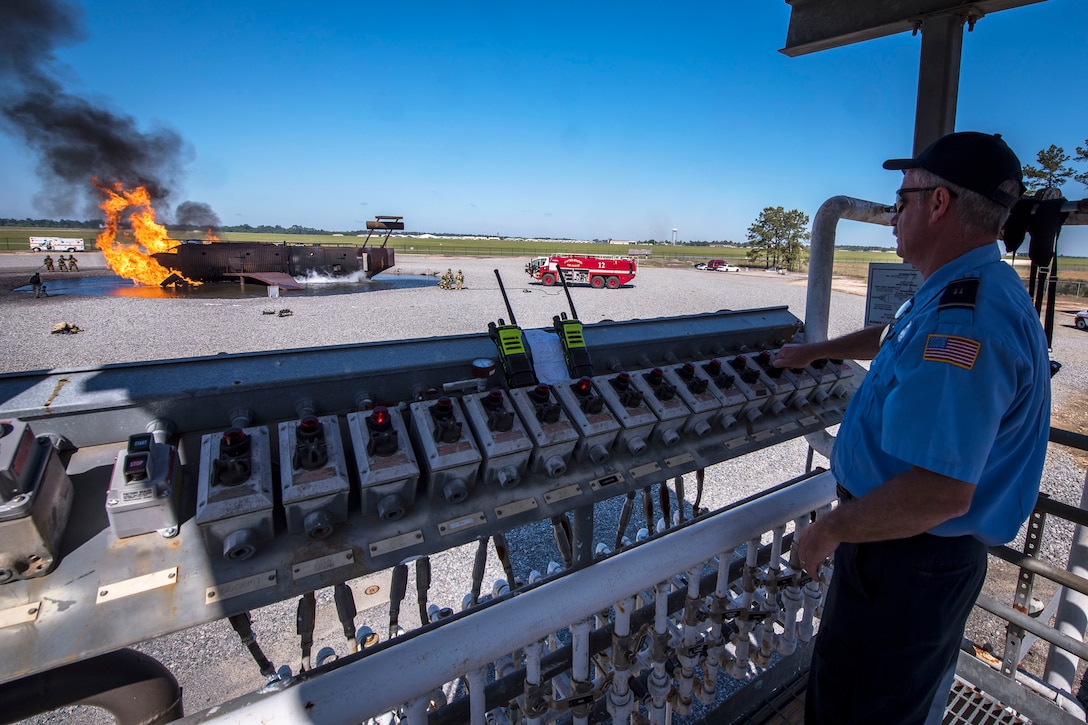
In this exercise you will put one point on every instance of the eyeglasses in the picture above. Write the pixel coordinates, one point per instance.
(900, 202)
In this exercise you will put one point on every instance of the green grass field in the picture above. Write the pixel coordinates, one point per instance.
(848, 263)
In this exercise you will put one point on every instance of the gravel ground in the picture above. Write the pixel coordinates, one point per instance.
(208, 661)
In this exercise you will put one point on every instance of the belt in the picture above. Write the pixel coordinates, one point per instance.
(843, 494)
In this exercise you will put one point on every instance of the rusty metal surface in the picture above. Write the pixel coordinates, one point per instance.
(213, 262)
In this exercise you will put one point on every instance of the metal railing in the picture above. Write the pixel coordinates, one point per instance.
(683, 606)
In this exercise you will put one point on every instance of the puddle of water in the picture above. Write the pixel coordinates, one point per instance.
(114, 286)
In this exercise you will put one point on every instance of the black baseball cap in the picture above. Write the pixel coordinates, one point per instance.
(979, 162)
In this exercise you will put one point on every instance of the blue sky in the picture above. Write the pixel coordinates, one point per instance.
(585, 120)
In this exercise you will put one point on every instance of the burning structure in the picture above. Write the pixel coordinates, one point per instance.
(279, 264)
(156, 259)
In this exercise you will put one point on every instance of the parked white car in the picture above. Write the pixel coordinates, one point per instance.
(727, 268)
(1082, 320)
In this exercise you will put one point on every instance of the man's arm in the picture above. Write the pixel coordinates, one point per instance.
(860, 345)
(908, 504)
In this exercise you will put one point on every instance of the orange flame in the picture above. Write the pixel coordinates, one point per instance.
(133, 261)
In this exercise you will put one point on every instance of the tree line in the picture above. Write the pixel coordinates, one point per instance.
(777, 238)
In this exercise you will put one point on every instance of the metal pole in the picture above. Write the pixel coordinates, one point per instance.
(938, 78)
(1071, 619)
(822, 255)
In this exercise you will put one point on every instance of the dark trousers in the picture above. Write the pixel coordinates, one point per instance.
(892, 626)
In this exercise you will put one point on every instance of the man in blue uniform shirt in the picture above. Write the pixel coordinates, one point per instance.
(941, 449)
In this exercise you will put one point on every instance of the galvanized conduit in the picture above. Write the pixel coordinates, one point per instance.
(821, 268)
(821, 261)
(399, 674)
(134, 688)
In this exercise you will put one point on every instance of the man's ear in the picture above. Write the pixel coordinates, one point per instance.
(939, 204)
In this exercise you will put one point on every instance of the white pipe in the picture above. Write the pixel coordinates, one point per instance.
(659, 683)
(774, 568)
(691, 631)
(533, 652)
(1072, 616)
(792, 599)
(579, 668)
(621, 702)
(821, 263)
(717, 651)
(415, 712)
(821, 258)
(477, 695)
(400, 673)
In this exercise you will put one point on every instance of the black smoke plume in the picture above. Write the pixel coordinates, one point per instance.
(75, 139)
(196, 215)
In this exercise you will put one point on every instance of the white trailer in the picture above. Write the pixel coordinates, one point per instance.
(56, 244)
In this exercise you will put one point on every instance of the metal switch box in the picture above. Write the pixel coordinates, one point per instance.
(388, 472)
(143, 489)
(234, 491)
(313, 475)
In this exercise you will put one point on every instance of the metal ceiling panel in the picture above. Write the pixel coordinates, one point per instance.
(822, 24)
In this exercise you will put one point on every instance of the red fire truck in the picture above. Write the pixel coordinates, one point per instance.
(596, 271)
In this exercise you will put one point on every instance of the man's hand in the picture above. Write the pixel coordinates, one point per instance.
(815, 546)
(794, 355)
(903, 506)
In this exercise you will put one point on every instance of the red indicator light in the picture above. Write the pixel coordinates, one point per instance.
(687, 372)
(714, 367)
(584, 386)
(493, 399)
(233, 436)
(381, 418)
(657, 374)
(621, 381)
(309, 426)
(234, 443)
(540, 394)
(444, 406)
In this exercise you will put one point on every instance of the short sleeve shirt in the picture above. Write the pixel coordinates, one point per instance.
(960, 387)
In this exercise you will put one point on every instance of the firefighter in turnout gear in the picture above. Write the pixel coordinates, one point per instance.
(447, 280)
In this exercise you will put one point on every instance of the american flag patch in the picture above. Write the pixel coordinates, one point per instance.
(951, 349)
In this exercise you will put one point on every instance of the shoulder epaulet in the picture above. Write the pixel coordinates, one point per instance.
(960, 294)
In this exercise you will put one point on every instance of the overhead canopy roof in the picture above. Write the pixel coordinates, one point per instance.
(822, 24)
